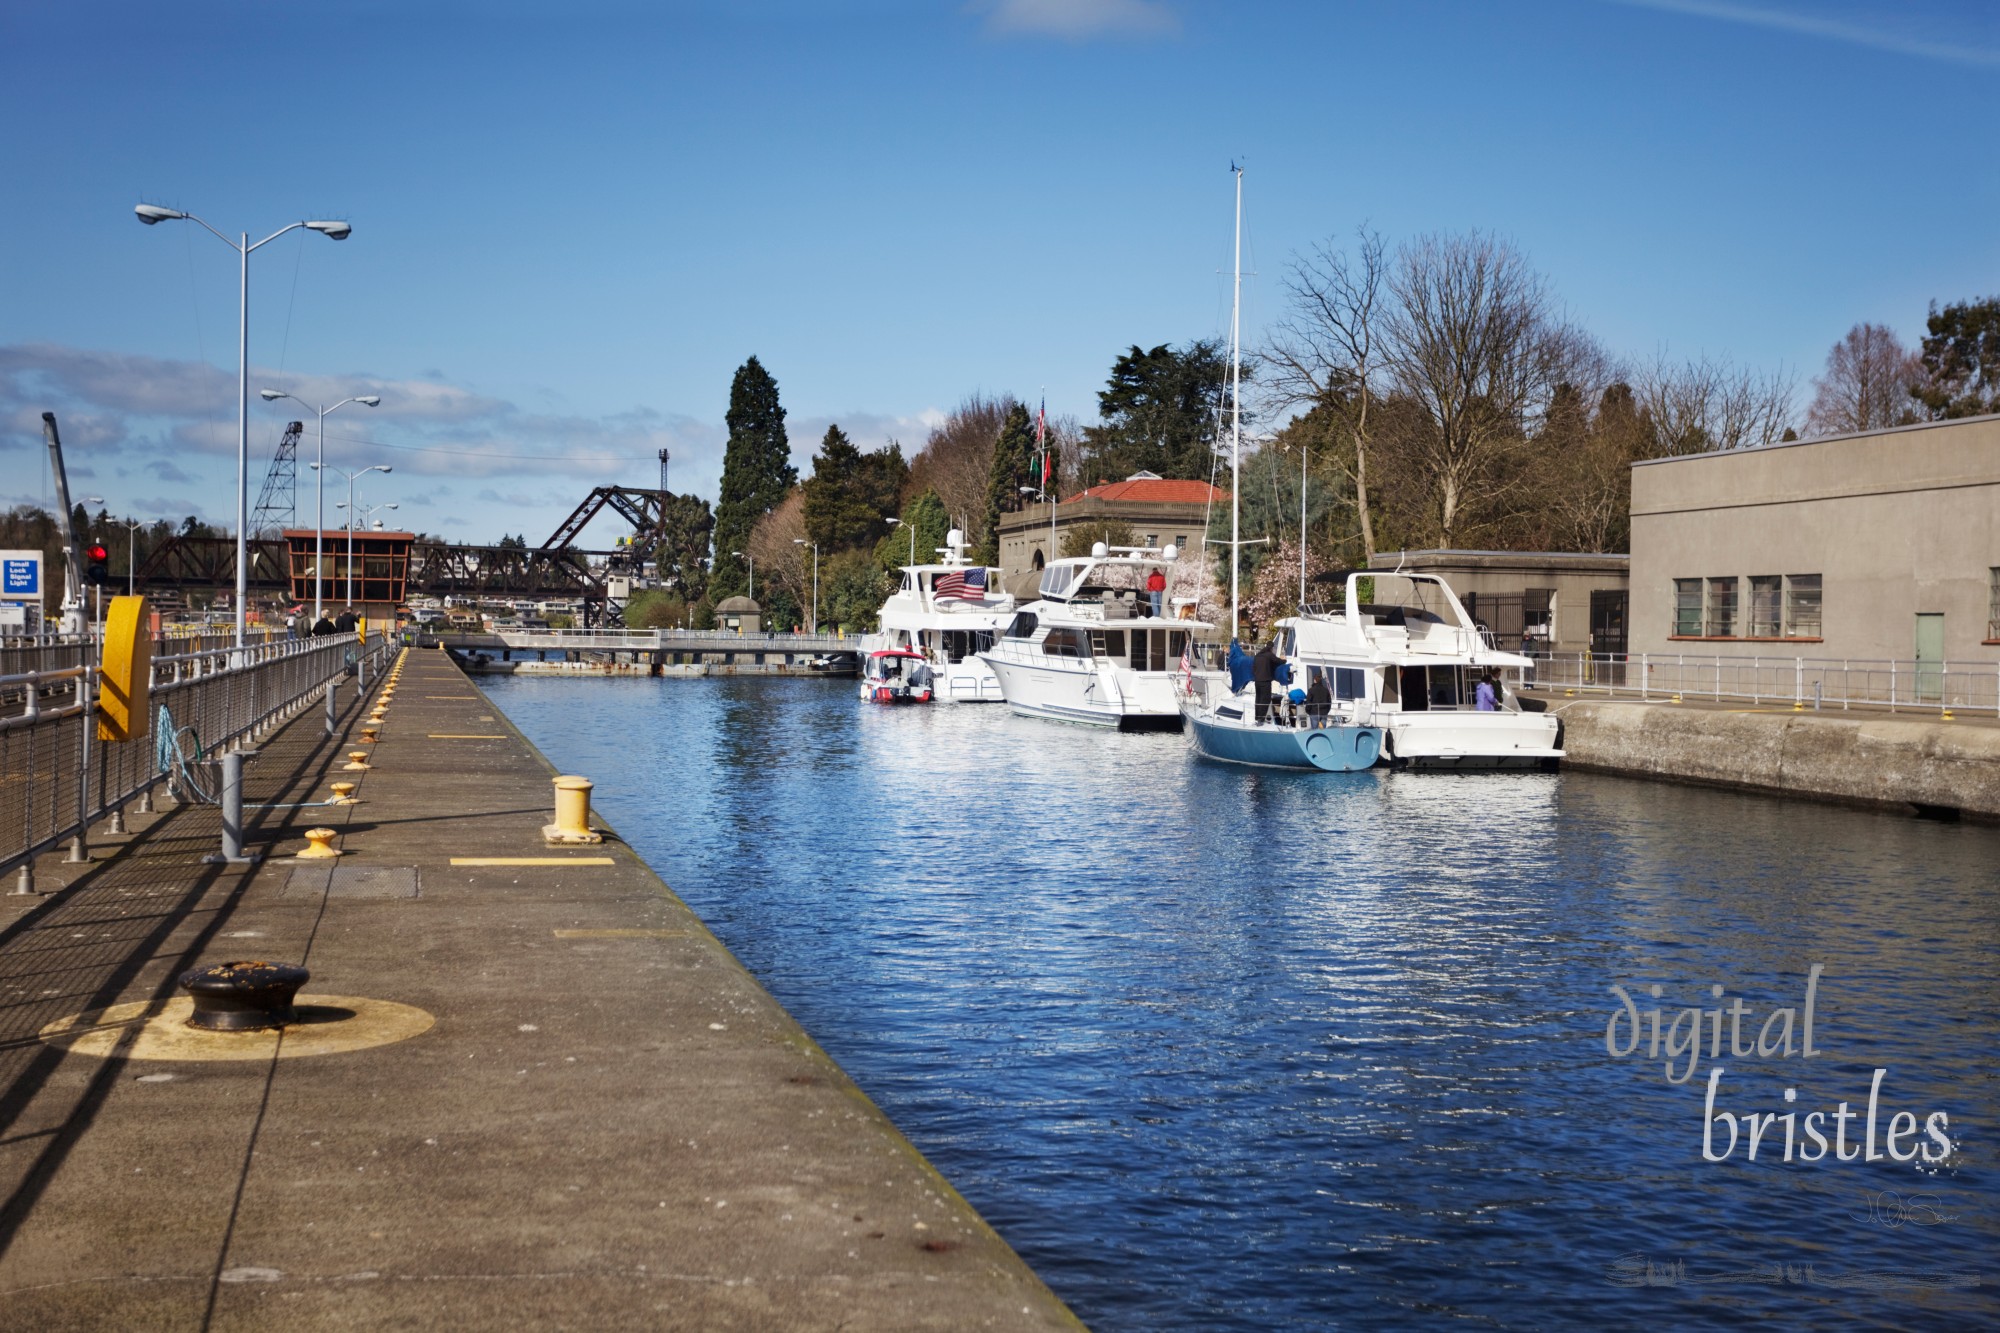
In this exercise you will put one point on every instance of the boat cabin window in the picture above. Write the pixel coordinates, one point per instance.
(909, 582)
(1108, 642)
(1023, 625)
(1349, 683)
(1066, 643)
(1056, 580)
(959, 644)
(1157, 649)
(1288, 641)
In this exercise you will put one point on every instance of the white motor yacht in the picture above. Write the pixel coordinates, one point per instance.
(1089, 650)
(1401, 652)
(949, 612)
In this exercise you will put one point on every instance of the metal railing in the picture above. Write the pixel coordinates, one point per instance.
(1894, 684)
(57, 778)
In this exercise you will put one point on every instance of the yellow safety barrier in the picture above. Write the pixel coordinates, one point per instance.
(122, 705)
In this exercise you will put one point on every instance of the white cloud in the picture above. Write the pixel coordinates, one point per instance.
(1080, 20)
(1832, 29)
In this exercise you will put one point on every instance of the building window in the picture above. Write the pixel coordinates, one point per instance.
(1766, 603)
(1993, 607)
(1802, 606)
(1721, 608)
(1687, 607)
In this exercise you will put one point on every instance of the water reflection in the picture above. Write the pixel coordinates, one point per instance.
(1226, 1049)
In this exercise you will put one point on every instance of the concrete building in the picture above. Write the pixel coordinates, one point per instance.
(1547, 601)
(1159, 511)
(739, 614)
(1882, 545)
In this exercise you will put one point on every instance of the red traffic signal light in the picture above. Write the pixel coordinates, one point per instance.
(99, 553)
(95, 570)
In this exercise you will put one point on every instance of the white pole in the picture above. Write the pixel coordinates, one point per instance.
(350, 539)
(1236, 416)
(243, 440)
(1302, 526)
(319, 524)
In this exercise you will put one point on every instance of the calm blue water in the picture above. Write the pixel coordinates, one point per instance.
(1216, 1048)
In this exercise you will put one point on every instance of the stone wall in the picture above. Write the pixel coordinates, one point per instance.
(1917, 766)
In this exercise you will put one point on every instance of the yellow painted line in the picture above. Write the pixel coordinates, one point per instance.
(623, 934)
(444, 736)
(532, 861)
(451, 696)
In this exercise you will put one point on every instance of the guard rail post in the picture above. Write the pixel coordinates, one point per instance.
(232, 852)
(79, 847)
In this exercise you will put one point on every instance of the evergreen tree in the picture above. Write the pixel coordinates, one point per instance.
(1961, 360)
(923, 529)
(850, 495)
(756, 472)
(682, 553)
(1014, 466)
(1159, 413)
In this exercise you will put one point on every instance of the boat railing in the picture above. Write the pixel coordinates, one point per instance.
(1894, 684)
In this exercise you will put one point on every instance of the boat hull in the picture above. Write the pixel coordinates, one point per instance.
(1126, 700)
(1335, 749)
(1456, 740)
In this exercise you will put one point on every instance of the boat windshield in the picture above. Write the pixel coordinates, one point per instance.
(1056, 579)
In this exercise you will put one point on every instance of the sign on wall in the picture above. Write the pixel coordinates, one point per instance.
(21, 576)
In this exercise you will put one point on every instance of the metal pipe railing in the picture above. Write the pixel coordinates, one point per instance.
(57, 779)
(1897, 684)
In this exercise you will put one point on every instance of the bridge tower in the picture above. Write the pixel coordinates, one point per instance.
(278, 505)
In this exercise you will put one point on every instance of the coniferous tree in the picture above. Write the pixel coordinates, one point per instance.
(1961, 360)
(923, 529)
(1013, 467)
(851, 495)
(757, 471)
(1159, 413)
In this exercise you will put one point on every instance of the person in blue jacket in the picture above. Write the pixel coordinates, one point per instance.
(1239, 666)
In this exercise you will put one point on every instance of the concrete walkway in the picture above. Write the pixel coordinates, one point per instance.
(608, 1124)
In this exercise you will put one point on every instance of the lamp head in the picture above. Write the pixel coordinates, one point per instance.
(271, 395)
(392, 505)
(153, 213)
(338, 231)
(369, 400)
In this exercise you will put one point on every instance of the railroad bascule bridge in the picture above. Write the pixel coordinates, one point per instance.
(387, 568)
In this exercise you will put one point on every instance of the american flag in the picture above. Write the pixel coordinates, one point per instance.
(966, 584)
(1187, 666)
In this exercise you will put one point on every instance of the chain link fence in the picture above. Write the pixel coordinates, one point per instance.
(57, 778)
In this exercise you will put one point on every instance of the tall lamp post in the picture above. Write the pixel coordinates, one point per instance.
(801, 541)
(753, 571)
(898, 523)
(131, 526)
(319, 482)
(151, 214)
(366, 512)
(349, 507)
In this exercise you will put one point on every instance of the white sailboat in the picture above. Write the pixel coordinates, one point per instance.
(1224, 723)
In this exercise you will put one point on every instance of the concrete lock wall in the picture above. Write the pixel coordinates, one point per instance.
(1896, 523)
(1885, 762)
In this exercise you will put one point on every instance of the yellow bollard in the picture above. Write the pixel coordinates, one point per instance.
(357, 761)
(343, 794)
(319, 846)
(572, 813)
(370, 733)
(1946, 716)
(1677, 698)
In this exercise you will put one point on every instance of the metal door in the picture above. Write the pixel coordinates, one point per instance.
(1930, 657)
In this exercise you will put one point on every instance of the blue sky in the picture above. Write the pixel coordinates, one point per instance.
(572, 222)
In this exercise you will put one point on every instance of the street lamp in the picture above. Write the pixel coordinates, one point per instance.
(131, 526)
(349, 507)
(319, 481)
(801, 541)
(753, 571)
(153, 214)
(898, 523)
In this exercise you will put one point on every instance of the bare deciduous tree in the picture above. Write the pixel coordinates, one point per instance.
(780, 562)
(1708, 404)
(1324, 352)
(957, 458)
(1866, 385)
(1471, 342)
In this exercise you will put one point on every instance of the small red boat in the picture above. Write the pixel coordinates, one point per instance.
(896, 676)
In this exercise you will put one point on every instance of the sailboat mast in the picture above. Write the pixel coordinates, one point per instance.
(1236, 416)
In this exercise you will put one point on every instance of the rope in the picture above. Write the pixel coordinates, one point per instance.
(170, 755)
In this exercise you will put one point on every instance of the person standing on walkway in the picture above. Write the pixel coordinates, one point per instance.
(1156, 590)
(324, 626)
(348, 620)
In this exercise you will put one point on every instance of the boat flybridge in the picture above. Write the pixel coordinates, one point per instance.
(1399, 650)
(949, 612)
(1090, 649)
